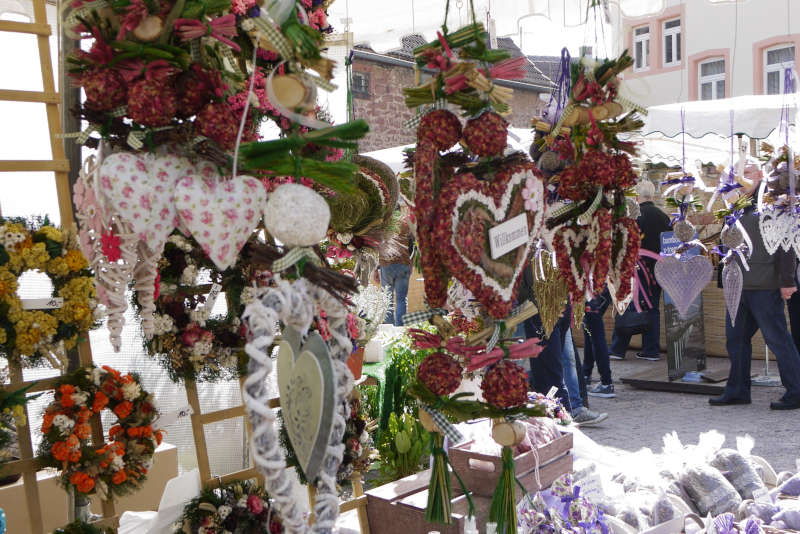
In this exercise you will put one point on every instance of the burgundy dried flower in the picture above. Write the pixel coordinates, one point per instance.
(104, 88)
(218, 122)
(440, 373)
(486, 135)
(152, 102)
(505, 385)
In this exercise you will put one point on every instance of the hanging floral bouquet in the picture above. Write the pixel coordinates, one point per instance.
(236, 507)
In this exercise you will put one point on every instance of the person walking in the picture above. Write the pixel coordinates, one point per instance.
(769, 281)
(395, 273)
(581, 414)
(652, 223)
(595, 349)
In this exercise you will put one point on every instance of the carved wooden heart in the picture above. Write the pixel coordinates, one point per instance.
(307, 386)
(468, 209)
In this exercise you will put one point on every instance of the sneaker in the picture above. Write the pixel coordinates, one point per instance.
(601, 390)
(653, 358)
(616, 357)
(586, 417)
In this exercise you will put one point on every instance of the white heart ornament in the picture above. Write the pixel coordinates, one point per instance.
(138, 189)
(683, 280)
(732, 281)
(307, 386)
(774, 227)
(220, 214)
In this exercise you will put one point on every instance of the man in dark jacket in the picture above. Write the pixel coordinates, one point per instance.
(766, 285)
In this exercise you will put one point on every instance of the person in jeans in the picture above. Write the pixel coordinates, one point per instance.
(570, 362)
(594, 345)
(769, 281)
(652, 223)
(395, 273)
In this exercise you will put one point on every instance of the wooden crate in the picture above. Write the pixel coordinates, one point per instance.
(480, 472)
(399, 507)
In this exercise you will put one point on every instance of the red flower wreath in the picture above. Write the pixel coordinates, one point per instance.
(119, 466)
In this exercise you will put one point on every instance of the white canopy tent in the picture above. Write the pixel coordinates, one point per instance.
(755, 116)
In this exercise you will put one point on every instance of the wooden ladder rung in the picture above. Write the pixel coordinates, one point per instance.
(37, 28)
(21, 165)
(221, 415)
(352, 504)
(43, 384)
(15, 467)
(29, 96)
(244, 474)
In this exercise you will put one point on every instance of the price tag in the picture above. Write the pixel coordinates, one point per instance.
(509, 235)
(170, 418)
(211, 299)
(762, 495)
(552, 393)
(592, 487)
(42, 304)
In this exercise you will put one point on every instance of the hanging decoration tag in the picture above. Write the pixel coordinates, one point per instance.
(508, 235)
(211, 299)
(42, 304)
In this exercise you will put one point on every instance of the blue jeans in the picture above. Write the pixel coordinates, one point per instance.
(395, 276)
(571, 375)
(650, 339)
(760, 310)
(594, 338)
(546, 369)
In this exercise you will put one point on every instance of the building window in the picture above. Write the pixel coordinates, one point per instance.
(776, 60)
(641, 48)
(672, 42)
(711, 77)
(360, 85)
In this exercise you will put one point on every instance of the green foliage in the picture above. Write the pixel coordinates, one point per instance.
(403, 448)
(372, 404)
(81, 527)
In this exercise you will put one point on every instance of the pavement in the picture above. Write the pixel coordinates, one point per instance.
(640, 418)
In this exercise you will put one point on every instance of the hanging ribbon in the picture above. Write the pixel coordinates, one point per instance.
(448, 429)
(414, 121)
(424, 315)
(136, 138)
(222, 29)
(271, 33)
(295, 256)
(561, 91)
(727, 182)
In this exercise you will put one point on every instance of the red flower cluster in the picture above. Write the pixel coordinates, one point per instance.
(486, 135)
(626, 257)
(440, 373)
(505, 385)
(597, 168)
(602, 252)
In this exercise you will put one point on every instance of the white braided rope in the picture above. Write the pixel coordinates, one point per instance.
(294, 305)
(145, 284)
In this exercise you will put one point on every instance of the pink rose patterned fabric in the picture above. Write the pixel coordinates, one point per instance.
(139, 189)
(220, 214)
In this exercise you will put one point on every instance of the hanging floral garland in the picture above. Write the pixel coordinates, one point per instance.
(188, 341)
(121, 465)
(44, 331)
(236, 507)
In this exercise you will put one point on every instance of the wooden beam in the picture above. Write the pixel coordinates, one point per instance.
(244, 474)
(29, 96)
(12, 165)
(200, 447)
(24, 27)
(352, 504)
(221, 415)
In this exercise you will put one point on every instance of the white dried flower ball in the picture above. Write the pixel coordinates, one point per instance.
(297, 216)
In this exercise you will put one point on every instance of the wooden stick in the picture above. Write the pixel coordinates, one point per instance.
(528, 311)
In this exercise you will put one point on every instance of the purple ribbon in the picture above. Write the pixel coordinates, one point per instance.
(731, 219)
(730, 185)
(560, 92)
(683, 207)
(675, 181)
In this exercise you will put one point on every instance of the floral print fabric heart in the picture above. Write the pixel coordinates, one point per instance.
(138, 188)
(220, 214)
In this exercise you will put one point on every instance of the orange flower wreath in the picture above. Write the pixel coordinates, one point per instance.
(120, 465)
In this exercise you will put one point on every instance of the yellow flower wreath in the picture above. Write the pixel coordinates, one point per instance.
(38, 334)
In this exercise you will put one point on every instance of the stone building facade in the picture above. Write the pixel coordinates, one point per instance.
(378, 82)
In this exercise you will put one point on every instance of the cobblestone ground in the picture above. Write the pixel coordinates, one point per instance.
(640, 418)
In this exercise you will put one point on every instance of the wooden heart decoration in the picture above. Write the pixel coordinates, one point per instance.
(138, 189)
(220, 214)
(307, 387)
(683, 280)
(468, 209)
